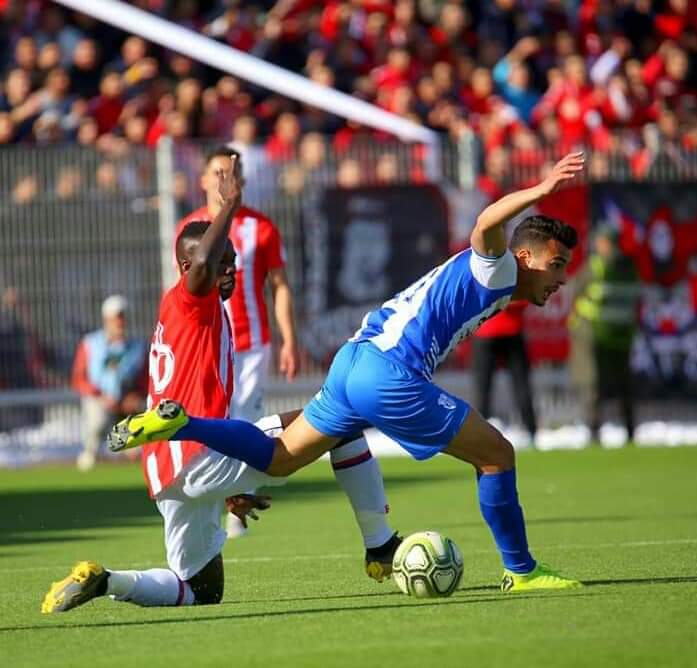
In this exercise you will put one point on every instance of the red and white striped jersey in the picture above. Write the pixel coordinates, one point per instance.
(259, 249)
(191, 362)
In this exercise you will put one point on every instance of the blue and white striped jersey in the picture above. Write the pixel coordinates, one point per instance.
(421, 324)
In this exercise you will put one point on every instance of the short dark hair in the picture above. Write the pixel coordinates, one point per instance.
(539, 229)
(193, 230)
(222, 151)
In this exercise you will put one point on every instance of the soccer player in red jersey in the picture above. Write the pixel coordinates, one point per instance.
(191, 358)
(260, 259)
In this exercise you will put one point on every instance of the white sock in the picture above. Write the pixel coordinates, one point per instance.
(358, 474)
(155, 587)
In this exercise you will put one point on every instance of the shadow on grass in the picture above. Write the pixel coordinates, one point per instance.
(476, 588)
(412, 604)
(27, 515)
(550, 520)
(457, 600)
(684, 579)
(291, 599)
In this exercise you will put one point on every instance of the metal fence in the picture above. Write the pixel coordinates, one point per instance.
(77, 224)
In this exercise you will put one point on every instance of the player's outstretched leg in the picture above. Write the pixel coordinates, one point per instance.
(480, 444)
(88, 580)
(168, 421)
(300, 445)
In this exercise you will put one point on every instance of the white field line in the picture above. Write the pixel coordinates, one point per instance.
(358, 555)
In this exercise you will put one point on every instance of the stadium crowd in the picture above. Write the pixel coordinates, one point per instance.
(619, 76)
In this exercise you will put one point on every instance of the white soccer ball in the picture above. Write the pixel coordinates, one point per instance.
(427, 565)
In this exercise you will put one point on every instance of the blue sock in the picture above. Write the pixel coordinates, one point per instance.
(234, 438)
(498, 501)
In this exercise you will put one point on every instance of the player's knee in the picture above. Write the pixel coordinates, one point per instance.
(209, 596)
(209, 583)
(500, 456)
(506, 454)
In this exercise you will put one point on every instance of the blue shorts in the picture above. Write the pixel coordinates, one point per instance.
(365, 388)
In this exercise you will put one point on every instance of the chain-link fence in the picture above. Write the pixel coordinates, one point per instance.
(76, 227)
(79, 225)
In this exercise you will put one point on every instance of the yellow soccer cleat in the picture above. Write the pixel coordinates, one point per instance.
(86, 581)
(377, 570)
(378, 561)
(541, 577)
(157, 424)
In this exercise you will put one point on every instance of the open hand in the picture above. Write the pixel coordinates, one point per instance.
(229, 185)
(567, 168)
(245, 505)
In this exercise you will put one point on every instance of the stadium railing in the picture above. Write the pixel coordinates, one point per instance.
(79, 224)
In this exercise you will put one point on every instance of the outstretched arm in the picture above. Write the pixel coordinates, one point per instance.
(203, 272)
(488, 236)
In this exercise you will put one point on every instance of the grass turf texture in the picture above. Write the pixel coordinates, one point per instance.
(624, 521)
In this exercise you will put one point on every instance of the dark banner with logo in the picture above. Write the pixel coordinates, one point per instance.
(362, 246)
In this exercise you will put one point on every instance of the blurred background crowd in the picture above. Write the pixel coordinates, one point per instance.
(617, 75)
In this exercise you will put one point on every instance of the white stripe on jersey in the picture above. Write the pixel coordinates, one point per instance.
(406, 305)
(248, 237)
(153, 475)
(175, 448)
(225, 342)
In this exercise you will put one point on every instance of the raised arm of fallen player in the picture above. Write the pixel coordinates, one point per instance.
(488, 236)
(203, 272)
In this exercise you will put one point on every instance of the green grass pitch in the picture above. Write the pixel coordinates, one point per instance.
(624, 521)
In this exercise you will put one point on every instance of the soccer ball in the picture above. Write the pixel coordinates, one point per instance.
(427, 565)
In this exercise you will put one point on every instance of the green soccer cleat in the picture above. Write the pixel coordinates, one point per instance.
(378, 561)
(541, 577)
(157, 424)
(86, 581)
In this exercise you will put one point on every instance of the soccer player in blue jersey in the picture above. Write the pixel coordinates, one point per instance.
(382, 377)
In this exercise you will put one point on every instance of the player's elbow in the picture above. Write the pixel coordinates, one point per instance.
(477, 239)
(483, 223)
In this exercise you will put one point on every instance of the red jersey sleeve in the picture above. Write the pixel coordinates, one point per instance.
(194, 307)
(274, 253)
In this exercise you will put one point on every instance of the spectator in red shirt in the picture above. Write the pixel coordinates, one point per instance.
(283, 143)
(106, 108)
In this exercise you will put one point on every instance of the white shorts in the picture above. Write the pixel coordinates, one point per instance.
(251, 374)
(192, 506)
